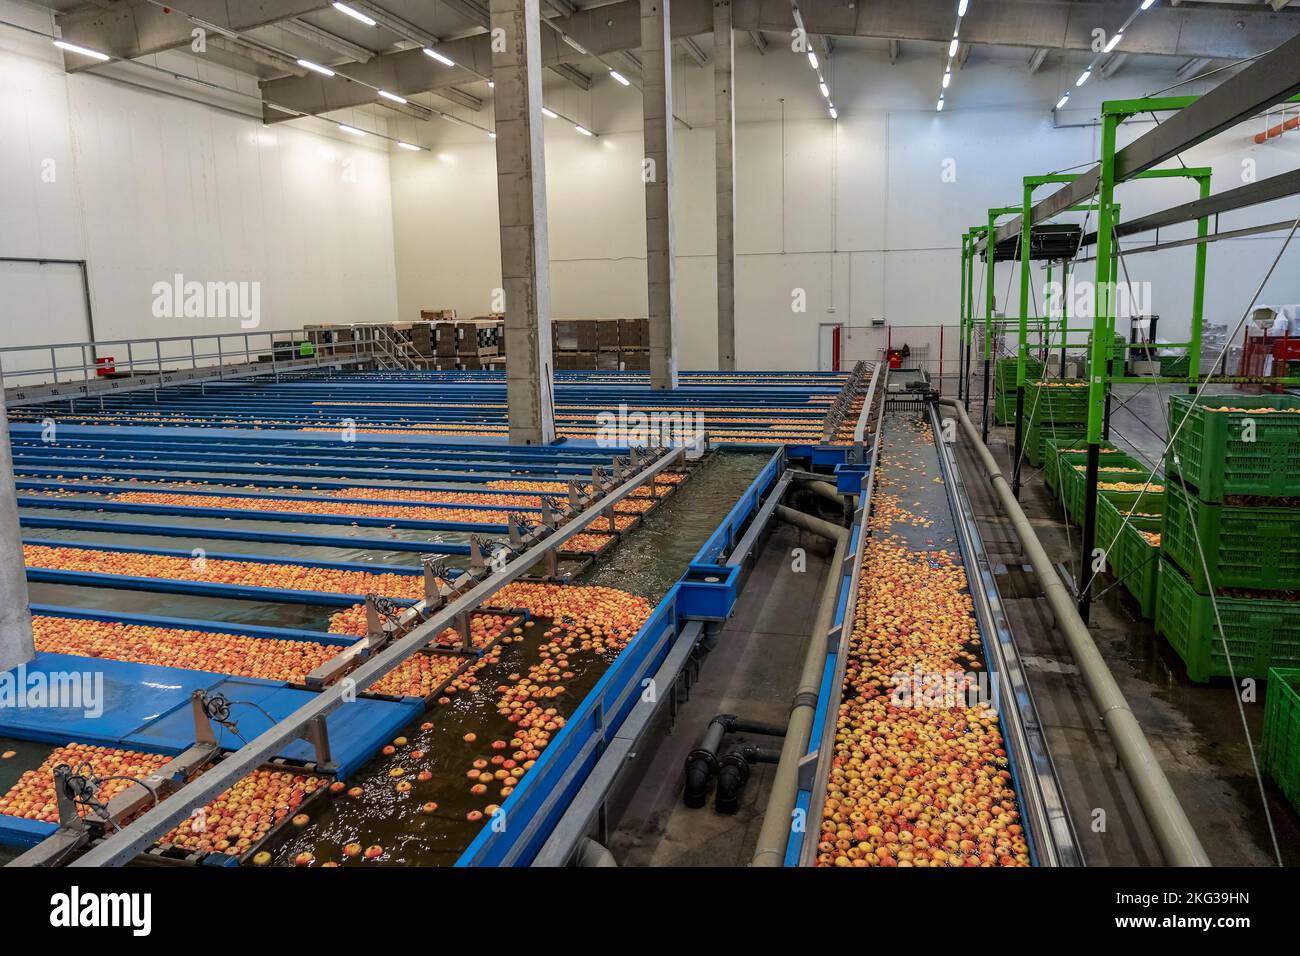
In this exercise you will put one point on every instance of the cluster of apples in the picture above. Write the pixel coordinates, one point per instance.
(484, 626)
(1251, 411)
(335, 508)
(1152, 489)
(591, 620)
(1115, 468)
(221, 571)
(243, 815)
(439, 497)
(586, 542)
(418, 676)
(1060, 383)
(915, 782)
(1152, 538)
(634, 506)
(32, 797)
(235, 654)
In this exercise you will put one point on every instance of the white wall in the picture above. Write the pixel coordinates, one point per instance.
(145, 185)
(856, 212)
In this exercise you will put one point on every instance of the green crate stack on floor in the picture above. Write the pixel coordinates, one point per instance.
(1127, 471)
(1280, 744)
(1232, 528)
(1004, 387)
(1060, 454)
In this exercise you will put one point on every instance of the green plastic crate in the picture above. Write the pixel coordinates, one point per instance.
(1037, 435)
(1175, 365)
(1244, 547)
(1131, 558)
(1075, 484)
(1004, 387)
(1260, 633)
(1050, 404)
(1280, 745)
(1211, 454)
(1060, 455)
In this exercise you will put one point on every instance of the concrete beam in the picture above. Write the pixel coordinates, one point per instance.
(473, 11)
(1113, 65)
(256, 54)
(724, 128)
(395, 24)
(760, 41)
(521, 199)
(1218, 31)
(16, 644)
(601, 30)
(692, 49)
(1036, 60)
(657, 94)
(331, 41)
(894, 49)
(136, 28)
(574, 75)
(1192, 67)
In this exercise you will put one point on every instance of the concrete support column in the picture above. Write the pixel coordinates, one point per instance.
(16, 645)
(724, 126)
(521, 198)
(657, 90)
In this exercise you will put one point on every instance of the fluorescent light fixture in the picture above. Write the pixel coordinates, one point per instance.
(491, 135)
(961, 7)
(551, 113)
(316, 67)
(947, 78)
(620, 77)
(81, 50)
(939, 106)
(1062, 101)
(826, 92)
(1147, 3)
(1114, 42)
(446, 60)
(952, 47)
(392, 96)
(401, 145)
(492, 84)
(1083, 77)
(582, 129)
(354, 14)
(834, 113)
(351, 129)
(812, 58)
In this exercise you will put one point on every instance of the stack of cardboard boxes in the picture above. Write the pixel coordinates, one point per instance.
(604, 344)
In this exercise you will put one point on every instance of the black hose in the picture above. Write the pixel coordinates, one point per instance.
(702, 763)
(734, 772)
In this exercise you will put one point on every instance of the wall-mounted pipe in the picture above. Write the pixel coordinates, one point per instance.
(1173, 831)
(775, 832)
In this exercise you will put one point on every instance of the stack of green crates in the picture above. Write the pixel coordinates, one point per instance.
(1241, 471)
(1074, 483)
(1281, 740)
(1004, 387)
(1173, 366)
(1118, 355)
(1064, 453)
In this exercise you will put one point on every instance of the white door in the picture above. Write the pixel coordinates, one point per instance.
(41, 303)
(826, 352)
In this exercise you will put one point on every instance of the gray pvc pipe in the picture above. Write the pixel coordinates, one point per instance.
(775, 832)
(1172, 830)
(593, 854)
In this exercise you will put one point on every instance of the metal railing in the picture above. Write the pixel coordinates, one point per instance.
(72, 370)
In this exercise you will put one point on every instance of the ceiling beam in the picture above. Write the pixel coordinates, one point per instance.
(760, 41)
(894, 49)
(331, 41)
(1193, 66)
(1036, 60)
(963, 54)
(471, 10)
(459, 97)
(692, 49)
(574, 75)
(1214, 30)
(1114, 63)
(135, 28)
(600, 30)
(257, 54)
(563, 7)
(395, 24)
